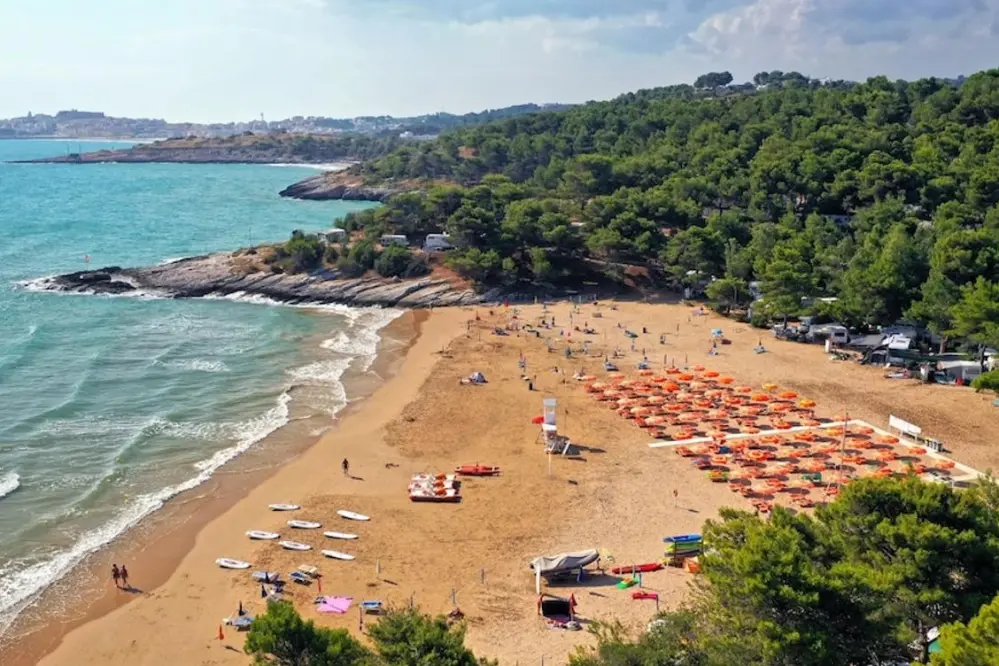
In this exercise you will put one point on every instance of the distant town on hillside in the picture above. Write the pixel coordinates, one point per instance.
(75, 124)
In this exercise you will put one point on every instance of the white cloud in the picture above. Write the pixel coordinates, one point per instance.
(232, 59)
(853, 38)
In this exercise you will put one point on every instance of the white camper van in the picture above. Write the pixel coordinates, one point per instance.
(436, 242)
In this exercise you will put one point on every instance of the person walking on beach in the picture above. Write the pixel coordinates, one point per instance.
(115, 575)
(346, 467)
(124, 578)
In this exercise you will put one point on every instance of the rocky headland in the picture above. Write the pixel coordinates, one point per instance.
(240, 149)
(227, 274)
(343, 185)
(145, 154)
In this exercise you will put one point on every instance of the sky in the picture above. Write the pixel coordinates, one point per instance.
(224, 60)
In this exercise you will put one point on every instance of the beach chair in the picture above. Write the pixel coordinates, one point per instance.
(240, 622)
(300, 578)
(372, 607)
(308, 570)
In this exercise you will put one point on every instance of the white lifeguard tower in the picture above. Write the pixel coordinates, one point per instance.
(554, 442)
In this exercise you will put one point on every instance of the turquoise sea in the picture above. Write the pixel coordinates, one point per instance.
(112, 405)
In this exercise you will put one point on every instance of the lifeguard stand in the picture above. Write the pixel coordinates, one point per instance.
(548, 410)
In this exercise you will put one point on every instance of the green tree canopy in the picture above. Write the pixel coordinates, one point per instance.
(973, 644)
(409, 638)
(882, 194)
(281, 637)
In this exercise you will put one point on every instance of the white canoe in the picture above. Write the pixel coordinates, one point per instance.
(304, 524)
(283, 507)
(340, 535)
(227, 563)
(337, 555)
(350, 515)
(294, 545)
(263, 536)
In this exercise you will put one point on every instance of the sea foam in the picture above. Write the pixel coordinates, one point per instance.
(9, 482)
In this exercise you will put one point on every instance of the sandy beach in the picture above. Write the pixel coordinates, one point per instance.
(617, 495)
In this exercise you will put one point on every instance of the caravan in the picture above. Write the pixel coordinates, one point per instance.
(437, 242)
(393, 239)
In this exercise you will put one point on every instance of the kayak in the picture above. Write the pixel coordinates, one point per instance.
(651, 566)
(304, 524)
(294, 545)
(682, 538)
(340, 535)
(337, 555)
(477, 470)
(283, 507)
(266, 536)
(645, 595)
(228, 563)
(350, 515)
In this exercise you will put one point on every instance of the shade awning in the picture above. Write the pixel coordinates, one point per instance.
(548, 564)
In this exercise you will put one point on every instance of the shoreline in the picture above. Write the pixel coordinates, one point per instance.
(101, 639)
(612, 493)
(234, 275)
(155, 546)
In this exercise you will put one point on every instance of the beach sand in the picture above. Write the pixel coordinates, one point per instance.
(617, 495)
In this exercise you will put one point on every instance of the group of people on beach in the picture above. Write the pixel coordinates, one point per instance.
(120, 577)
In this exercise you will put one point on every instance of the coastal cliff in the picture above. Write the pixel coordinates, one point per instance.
(223, 274)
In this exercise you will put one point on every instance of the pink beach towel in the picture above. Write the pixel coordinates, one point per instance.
(338, 605)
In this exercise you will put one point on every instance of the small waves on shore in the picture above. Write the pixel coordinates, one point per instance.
(9, 482)
(112, 406)
(109, 488)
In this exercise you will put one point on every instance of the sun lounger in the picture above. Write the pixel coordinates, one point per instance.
(308, 570)
(240, 622)
(371, 607)
(300, 578)
(272, 577)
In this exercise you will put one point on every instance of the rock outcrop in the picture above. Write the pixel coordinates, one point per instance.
(338, 186)
(153, 153)
(218, 275)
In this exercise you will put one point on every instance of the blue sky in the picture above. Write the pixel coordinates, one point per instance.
(215, 60)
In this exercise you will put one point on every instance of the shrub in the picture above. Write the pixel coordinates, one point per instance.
(281, 637)
(332, 254)
(304, 251)
(417, 267)
(363, 253)
(402, 638)
(393, 262)
(409, 638)
(987, 381)
(477, 265)
(349, 267)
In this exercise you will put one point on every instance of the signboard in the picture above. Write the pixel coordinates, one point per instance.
(904, 426)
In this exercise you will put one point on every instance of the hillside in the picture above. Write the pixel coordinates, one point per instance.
(88, 124)
(881, 196)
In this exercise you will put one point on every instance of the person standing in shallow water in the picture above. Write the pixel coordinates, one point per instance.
(115, 575)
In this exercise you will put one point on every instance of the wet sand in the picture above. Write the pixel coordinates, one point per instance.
(616, 495)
